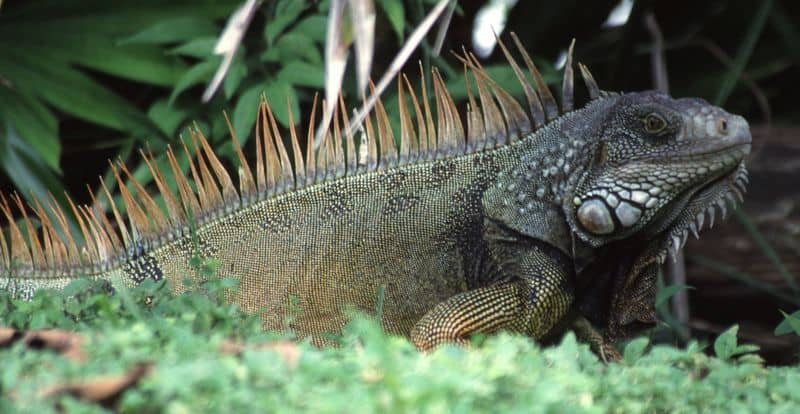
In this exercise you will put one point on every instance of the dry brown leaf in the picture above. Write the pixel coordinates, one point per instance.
(65, 343)
(8, 336)
(362, 19)
(102, 390)
(68, 344)
(336, 46)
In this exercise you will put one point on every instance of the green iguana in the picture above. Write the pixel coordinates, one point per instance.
(522, 220)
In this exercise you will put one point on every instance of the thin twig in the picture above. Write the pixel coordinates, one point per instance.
(658, 62)
(229, 42)
(676, 269)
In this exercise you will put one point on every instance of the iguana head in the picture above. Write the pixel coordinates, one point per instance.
(654, 156)
(657, 167)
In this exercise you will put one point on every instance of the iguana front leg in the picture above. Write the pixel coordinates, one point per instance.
(534, 293)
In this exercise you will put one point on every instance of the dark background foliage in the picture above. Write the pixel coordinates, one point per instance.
(85, 81)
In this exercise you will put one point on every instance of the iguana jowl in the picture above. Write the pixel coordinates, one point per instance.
(520, 221)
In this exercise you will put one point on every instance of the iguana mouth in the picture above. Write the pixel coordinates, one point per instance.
(702, 208)
(735, 151)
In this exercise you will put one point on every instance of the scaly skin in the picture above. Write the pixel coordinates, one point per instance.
(566, 223)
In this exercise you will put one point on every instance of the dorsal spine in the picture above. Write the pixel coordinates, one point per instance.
(495, 119)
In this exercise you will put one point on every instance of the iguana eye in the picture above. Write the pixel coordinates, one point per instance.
(653, 123)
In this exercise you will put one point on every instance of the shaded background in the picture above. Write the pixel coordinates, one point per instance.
(85, 81)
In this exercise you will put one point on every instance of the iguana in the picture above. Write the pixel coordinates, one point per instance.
(522, 220)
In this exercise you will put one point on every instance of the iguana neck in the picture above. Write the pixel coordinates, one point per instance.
(529, 194)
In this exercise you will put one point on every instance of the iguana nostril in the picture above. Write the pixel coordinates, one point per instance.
(722, 126)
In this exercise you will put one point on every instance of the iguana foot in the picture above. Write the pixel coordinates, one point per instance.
(597, 343)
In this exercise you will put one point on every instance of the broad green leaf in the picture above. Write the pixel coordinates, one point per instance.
(271, 55)
(173, 30)
(34, 122)
(138, 63)
(142, 63)
(396, 13)
(790, 323)
(234, 77)
(198, 48)
(244, 114)
(279, 92)
(199, 73)
(75, 93)
(667, 292)
(286, 12)
(118, 18)
(746, 349)
(168, 117)
(313, 27)
(25, 167)
(725, 344)
(303, 74)
(635, 349)
(297, 45)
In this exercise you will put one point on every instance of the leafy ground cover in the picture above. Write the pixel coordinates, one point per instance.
(143, 350)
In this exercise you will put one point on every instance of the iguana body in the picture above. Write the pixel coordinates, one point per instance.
(522, 222)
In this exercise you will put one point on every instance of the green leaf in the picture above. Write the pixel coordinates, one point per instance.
(74, 93)
(303, 74)
(234, 77)
(790, 323)
(396, 13)
(34, 122)
(314, 27)
(725, 344)
(76, 286)
(667, 292)
(279, 92)
(173, 30)
(199, 73)
(271, 55)
(25, 167)
(143, 63)
(286, 12)
(167, 117)
(138, 63)
(746, 349)
(293, 46)
(117, 18)
(751, 359)
(199, 48)
(244, 114)
(635, 349)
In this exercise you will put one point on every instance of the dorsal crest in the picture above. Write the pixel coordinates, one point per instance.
(493, 119)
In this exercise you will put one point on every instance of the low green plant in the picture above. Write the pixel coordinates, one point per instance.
(181, 335)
